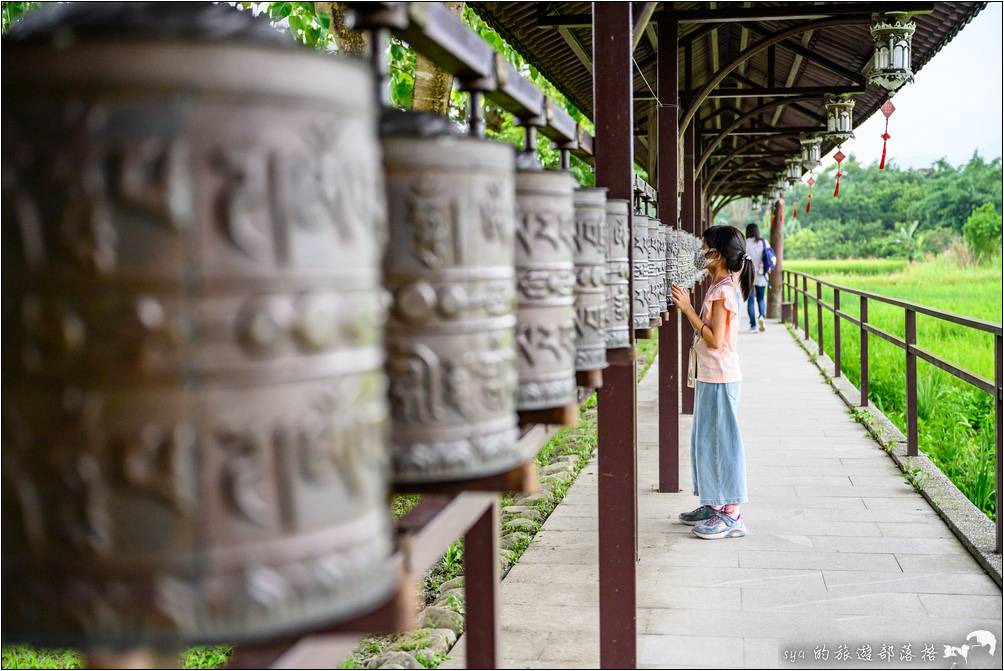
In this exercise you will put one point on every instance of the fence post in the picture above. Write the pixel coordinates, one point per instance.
(864, 353)
(805, 304)
(819, 317)
(998, 427)
(793, 287)
(911, 383)
(836, 332)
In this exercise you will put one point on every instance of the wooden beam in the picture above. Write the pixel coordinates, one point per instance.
(813, 56)
(792, 74)
(794, 12)
(783, 92)
(641, 23)
(576, 48)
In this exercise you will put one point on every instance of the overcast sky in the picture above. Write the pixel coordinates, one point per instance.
(952, 107)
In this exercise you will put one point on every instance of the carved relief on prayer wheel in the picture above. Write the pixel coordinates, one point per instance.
(590, 279)
(658, 262)
(194, 400)
(545, 279)
(654, 276)
(640, 271)
(450, 334)
(618, 274)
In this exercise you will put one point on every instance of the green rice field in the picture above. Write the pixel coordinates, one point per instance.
(955, 420)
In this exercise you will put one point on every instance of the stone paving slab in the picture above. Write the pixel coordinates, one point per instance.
(841, 549)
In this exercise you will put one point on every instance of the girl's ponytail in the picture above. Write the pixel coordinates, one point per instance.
(746, 276)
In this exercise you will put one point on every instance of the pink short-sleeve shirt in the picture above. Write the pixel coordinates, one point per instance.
(722, 364)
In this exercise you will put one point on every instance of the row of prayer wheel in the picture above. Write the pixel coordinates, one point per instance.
(240, 306)
(651, 271)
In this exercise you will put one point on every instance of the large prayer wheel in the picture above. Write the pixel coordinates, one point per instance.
(590, 279)
(194, 400)
(545, 279)
(618, 274)
(450, 334)
(640, 281)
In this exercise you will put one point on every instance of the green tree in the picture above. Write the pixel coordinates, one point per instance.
(982, 232)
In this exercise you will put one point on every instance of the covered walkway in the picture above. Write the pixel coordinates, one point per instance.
(842, 550)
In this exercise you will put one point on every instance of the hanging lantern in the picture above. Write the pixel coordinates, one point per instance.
(839, 118)
(811, 153)
(838, 157)
(887, 110)
(891, 62)
(808, 204)
(756, 203)
(794, 168)
(781, 184)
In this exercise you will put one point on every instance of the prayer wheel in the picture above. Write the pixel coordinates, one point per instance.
(663, 251)
(656, 268)
(545, 280)
(590, 279)
(194, 401)
(451, 356)
(640, 281)
(618, 274)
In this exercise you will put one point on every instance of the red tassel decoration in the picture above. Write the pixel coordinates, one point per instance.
(887, 110)
(808, 204)
(838, 157)
(794, 209)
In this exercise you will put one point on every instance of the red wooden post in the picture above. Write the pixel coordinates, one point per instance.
(911, 383)
(614, 115)
(481, 568)
(688, 210)
(667, 172)
(864, 353)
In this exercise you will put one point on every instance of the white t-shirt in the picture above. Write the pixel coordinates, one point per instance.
(755, 249)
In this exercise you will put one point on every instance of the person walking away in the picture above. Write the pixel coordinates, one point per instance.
(755, 248)
(717, 461)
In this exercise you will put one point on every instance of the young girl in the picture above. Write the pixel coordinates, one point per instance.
(717, 464)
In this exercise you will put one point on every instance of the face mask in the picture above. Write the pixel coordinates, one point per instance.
(701, 258)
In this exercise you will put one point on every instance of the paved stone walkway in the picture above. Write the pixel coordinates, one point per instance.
(842, 550)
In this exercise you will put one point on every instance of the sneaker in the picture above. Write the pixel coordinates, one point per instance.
(763, 325)
(698, 515)
(752, 329)
(721, 526)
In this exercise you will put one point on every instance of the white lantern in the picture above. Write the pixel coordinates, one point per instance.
(781, 183)
(839, 118)
(811, 151)
(794, 167)
(891, 63)
(756, 203)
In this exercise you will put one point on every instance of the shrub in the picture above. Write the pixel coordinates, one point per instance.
(982, 231)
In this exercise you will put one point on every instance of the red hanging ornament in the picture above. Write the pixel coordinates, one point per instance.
(838, 157)
(794, 207)
(887, 110)
(808, 204)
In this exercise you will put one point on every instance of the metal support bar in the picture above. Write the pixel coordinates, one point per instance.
(481, 570)
(617, 489)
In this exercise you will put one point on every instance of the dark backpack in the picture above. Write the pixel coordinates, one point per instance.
(769, 260)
